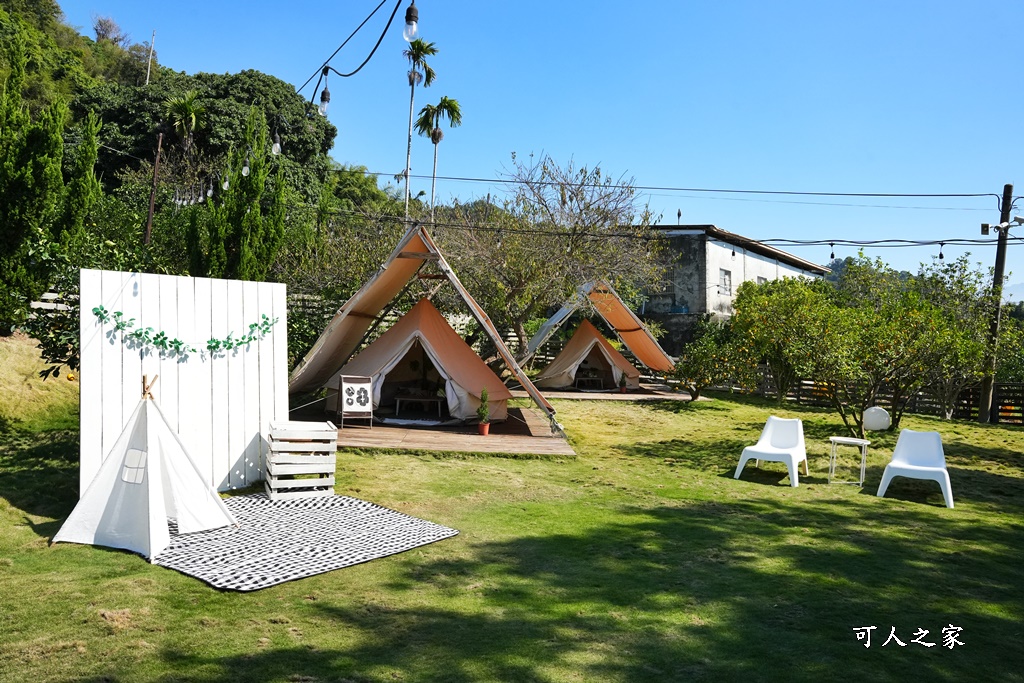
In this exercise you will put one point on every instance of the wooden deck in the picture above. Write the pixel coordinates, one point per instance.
(525, 432)
(647, 392)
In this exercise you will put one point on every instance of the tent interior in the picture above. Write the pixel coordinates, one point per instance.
(595, 366)
(413, 376)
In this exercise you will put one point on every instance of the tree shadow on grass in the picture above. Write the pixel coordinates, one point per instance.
(968, 485)
(696, 455)
(39, 472)
(961, 451)
(746, 590)
(686, 407)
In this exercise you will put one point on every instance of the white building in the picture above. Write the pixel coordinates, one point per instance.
(709, 265)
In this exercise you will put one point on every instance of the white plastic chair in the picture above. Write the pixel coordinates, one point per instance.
(918, 455)
(781, 440)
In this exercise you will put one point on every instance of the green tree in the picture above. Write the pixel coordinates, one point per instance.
(238, 234)
(31, 184)
(960, 332)
(777, 323)
(82, 190)
(133, 116)
(419, 70)
(562, 226)
(59, 60)
(1010, 367)
(709, 360)
(186, 115)
(429, 125)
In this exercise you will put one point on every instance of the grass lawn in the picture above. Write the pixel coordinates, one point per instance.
(640, 560)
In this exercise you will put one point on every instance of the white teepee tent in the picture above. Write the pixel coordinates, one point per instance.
(147, 478)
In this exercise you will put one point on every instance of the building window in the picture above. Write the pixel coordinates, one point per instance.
(761, 280)
(725, 282)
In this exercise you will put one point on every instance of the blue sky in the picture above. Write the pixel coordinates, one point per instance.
(917, 97)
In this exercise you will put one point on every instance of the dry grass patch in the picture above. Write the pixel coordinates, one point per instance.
(26, 400)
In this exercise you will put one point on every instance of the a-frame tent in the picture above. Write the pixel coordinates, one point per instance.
(147, 478)
(588, 350)
(422, 338)
(344, 333)
(629, 328)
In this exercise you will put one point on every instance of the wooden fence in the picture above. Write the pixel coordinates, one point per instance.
(1007, 402)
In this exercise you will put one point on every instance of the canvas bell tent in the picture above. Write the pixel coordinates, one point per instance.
(588, 355)
(628, 327)
(147, 478)
(357, 316)
(422, 353)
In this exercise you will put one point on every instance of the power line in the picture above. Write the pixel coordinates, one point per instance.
(654, 234)
(855, 206)
(319, 71)
(512, 181)
(122, 152)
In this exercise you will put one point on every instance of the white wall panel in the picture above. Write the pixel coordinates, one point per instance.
(220, 403)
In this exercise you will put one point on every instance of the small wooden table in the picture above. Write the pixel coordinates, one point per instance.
(847, 441)
(425, 401)
(582, 382)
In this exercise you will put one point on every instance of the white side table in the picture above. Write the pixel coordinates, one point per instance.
(848, 441)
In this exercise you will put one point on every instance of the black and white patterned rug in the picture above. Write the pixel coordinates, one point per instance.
(279, 541)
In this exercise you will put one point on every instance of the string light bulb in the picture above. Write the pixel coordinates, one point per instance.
(325, 95)
(941, 245)
(412, 23)
(275, 149)
(832, 246)
(245, 166)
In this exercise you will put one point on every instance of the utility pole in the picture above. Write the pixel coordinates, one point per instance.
(988, 382)
(152, 193)
(149, 62)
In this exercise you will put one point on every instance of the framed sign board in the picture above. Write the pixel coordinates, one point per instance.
(355, 399)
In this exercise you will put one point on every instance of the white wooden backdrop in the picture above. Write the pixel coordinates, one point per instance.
(220, 404)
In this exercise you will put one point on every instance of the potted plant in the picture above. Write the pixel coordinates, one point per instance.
(622, 383)
(483, 413)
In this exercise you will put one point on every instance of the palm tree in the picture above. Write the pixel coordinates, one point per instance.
(417, 54)
(186, 116)
(429, 125)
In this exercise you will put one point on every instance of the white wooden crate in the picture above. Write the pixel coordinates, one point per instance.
(301, 449)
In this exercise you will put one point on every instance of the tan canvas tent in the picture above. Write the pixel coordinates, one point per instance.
(588, 354)
(629, 328)
(345, 331)
(421, 352)
(147, 478)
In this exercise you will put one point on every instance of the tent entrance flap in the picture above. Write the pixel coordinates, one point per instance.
(413, 375)
(596, 367)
